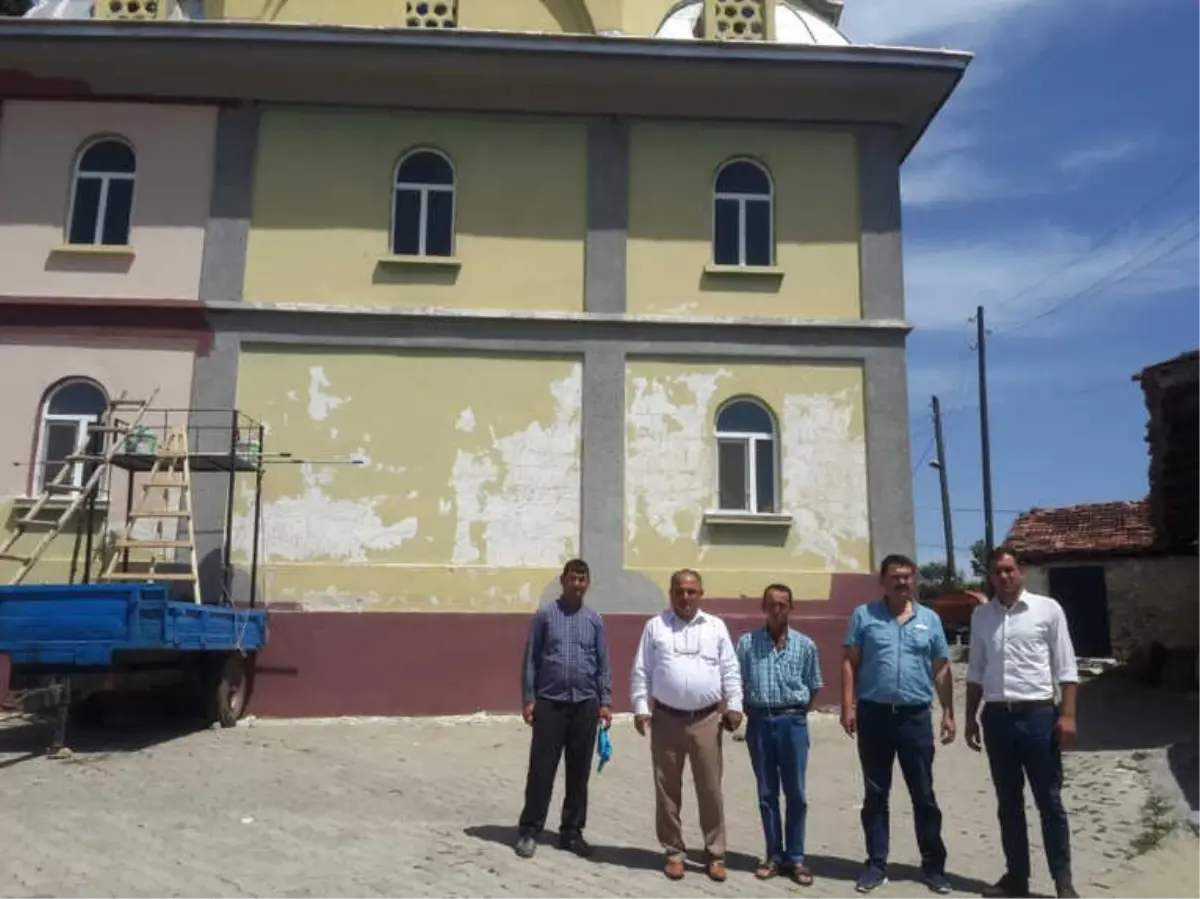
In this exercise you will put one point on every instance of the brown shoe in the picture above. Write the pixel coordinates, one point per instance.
(716, 870)
(674, 868)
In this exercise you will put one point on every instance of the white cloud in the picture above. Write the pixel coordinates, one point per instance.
(1086, 160)
(1022, 275)
(931, 22)
(958, 178)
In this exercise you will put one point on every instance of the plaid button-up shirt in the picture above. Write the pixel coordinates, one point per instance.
(566, 656)
(775, 677)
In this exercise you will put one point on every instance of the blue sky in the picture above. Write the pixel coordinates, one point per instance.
(1059, 189)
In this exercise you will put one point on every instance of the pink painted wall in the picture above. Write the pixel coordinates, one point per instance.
(29, 367)
(38, 144)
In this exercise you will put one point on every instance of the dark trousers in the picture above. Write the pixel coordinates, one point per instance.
(1020, 745)
(886, 734)
(560, 729)
(779, 755)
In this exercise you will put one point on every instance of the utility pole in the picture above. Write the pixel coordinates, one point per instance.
(940, 465)
(984, 437)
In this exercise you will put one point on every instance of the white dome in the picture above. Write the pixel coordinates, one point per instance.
(793, 25)
(82, 9)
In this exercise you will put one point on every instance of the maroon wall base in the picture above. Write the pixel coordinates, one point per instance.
(395, 663)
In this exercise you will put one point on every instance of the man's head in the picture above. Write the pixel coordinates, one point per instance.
(898, 576)
(686, 591)
(575, 580)
(777, 606)
(1004, 571)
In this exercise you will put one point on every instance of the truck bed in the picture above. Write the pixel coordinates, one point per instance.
(87, 625)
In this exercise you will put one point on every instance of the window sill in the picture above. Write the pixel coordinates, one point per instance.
(421, 261)
(750, 519)
(744, 271)
(92, 249)
(56, 503)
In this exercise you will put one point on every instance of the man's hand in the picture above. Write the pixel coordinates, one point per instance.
(527, 713)
(733, 721)
(972, 735)
(849, 720)
(949, 729)
(640, 723)
(1064, 730)
(605, 716)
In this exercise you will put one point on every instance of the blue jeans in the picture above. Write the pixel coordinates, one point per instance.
(886, 734)
(779, 754)
(1020, 745)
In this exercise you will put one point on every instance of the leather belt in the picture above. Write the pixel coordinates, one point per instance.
(684, 713)
(1023, 705)
(770, 711)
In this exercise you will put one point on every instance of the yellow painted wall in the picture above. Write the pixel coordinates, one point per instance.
(322, 204)
(65, 554)
(670, 474)
(552, 16)
(469, 498)
(672, 168)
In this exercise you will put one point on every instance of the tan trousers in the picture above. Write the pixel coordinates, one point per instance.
(675, 739)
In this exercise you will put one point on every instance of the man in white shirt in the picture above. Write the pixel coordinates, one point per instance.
(686, 686)
(1020, 652)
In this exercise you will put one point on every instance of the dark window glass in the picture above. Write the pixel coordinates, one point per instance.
(60, 443)
(725, 232)
(743, 178)
(731, 480)
(108, 156)
(77, 398)
(84, 211)
(764, 473)
(117, 212)
(745, 417)
(425, 168)
(440, 223)
(406, 221)
(758, 232)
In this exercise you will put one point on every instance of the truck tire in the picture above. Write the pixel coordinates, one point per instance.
(229, 689)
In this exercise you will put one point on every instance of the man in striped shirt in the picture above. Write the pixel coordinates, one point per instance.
(566, 687)
(781, 675)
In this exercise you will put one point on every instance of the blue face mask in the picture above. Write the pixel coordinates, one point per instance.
(604, 749)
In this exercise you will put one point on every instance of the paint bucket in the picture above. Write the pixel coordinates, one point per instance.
(140, 442)
(249, 450)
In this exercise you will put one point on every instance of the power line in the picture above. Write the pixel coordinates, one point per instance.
(924, 455)
(971, 509)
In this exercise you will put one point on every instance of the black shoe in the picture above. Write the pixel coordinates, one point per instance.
(937, 883)
(870, 880)
(578, 845)
(526, 847)
(1065, 889)
(1007, 887)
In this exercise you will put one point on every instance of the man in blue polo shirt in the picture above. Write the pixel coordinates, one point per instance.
(896, 657)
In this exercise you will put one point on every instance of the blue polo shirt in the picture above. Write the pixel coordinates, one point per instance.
(896, 660)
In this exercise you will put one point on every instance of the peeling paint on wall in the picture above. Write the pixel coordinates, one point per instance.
(466, 421)
(320, 403)
(824, 476)
(313, 526)
(517, 501)
(669, 471)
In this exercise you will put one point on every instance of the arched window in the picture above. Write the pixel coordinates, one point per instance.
(102, 194)
(746, 460)
(69, 407)
(423, 205)
(743, 215)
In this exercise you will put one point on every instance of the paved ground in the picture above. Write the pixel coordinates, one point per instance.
(426, 808)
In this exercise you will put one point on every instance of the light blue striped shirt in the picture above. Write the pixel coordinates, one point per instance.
(774, 677)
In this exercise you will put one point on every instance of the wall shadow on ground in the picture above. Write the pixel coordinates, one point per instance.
(1118, 710)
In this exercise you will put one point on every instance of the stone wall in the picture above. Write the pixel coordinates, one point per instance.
(1153, 606)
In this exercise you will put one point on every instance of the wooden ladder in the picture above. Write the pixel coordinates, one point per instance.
(171, 473)
(61, 484)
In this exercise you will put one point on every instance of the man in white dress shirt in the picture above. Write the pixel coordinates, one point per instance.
(1020, 652)
(686, 686)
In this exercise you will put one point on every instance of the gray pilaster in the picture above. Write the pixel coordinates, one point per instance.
(881, 271)
(889, 467)
(602, 505)
(607, 216)
(223, 268)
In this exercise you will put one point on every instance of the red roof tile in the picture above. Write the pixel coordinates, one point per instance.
(1091, 529)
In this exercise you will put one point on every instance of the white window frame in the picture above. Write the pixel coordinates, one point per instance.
(423, 190)
(105, 179)
(742, 199)
(749, 439)
(81, 422)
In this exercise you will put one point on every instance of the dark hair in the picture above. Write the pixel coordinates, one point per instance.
(778, 588)
(576, 566)
(1004, 549)
(896, 559)
(686, 572)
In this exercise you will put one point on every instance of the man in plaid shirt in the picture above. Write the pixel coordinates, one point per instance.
(781, 675)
